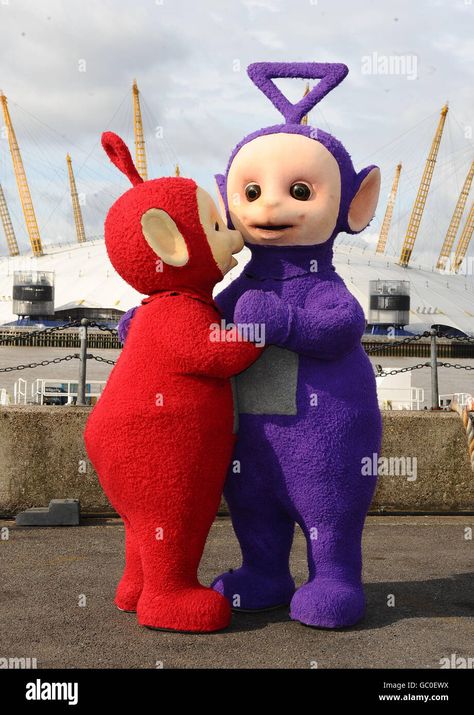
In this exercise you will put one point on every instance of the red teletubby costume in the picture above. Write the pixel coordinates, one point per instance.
(161, 435)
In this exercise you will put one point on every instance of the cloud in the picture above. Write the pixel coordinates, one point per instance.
(261, 5)
(189, 59)
(267, 39)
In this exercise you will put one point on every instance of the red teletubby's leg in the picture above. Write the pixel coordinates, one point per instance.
(131, 584)
(168, 499)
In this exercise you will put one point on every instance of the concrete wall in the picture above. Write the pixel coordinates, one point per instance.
(42, 456)
(444, 476)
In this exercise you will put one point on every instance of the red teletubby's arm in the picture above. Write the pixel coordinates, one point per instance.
(199, 345)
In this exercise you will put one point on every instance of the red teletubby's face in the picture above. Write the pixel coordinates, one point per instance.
(163, 236)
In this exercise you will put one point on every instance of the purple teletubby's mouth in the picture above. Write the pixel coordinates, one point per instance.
(272, 227)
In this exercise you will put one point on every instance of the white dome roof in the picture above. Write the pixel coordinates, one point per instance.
(84, 275)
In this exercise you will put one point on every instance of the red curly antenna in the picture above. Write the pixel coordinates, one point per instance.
(118, 153)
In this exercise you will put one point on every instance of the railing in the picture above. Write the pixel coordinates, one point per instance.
(4, 397)
(20, 391)
(47, 391)
(447, 348)
(82, 337)
(459, 398)
(433, 363)
(64, 338)
(404, 398)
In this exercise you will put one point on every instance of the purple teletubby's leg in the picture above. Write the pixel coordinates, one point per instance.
(332, 499)
(262, 525)
(333, 596)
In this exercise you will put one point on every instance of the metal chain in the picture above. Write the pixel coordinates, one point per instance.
(56, 328)
(40, 364)
(114, 331)
(45, 331)
(384, 373)
(403, 369)
(104, 328)
(456, 366)
(43, 363)
(101, 359)
(409, 339)
(459, 338)
(418, 336)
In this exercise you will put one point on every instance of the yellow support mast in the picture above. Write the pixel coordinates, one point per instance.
(304, 119)
(22, 183)
(177, 171)
(420, 201)
(76, 207)
(387, 219)
(463, 245)
(8, 226)
(455, 221)
(140, 152)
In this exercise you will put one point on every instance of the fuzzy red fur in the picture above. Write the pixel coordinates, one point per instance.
(161, 435)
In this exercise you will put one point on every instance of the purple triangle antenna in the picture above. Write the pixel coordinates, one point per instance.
(330, 75)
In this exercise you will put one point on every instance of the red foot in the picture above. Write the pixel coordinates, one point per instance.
(127, 595)
(198, 610)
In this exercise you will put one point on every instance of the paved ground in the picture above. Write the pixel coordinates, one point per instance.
(423, 562)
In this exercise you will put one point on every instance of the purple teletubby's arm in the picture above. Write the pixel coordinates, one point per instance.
(227, 299)
(330, 324)
(124, 324)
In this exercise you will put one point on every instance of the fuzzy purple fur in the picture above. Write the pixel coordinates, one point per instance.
(329, 74)
(303, 466)
(124, 324)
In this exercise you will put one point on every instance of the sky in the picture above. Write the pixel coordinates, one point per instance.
(67, 69)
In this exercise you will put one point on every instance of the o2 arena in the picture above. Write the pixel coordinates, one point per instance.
(411, 270)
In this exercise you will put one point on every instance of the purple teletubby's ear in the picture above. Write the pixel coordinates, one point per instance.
(363, 205)
(221, 183)
(330, 75)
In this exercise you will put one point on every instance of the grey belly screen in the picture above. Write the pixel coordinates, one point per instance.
(268, 387)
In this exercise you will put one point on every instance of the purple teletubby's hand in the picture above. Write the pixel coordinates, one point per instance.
(263, 308)
(124, 324)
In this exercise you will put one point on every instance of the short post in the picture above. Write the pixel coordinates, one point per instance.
(81, 386)
(434, 371)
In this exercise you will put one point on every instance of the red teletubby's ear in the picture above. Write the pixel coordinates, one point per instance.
(118, 153)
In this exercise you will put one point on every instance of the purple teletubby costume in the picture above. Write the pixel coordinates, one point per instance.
(308, 407)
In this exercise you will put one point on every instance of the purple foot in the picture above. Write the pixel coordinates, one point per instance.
(248, 591)
(328, 603)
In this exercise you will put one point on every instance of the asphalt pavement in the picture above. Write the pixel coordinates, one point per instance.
(57, 587)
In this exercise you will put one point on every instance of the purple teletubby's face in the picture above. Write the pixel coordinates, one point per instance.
(284, 190)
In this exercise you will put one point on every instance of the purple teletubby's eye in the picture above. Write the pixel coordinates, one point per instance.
(216, 226)
(252, 192)
(300, 191)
